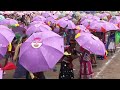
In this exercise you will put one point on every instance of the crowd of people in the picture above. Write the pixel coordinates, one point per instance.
(72, 49)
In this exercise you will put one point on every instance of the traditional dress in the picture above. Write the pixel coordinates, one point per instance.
(66, 70)
(86, 71)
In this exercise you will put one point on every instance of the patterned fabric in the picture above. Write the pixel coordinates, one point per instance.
(65, 71)
(86, 70)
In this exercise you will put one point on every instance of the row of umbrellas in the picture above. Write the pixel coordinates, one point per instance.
(44, 48)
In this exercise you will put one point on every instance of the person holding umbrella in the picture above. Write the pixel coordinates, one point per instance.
(111, 41)
(66, 70)
(20, 72)
(86, 71)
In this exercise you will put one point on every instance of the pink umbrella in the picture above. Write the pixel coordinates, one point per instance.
(91, 43)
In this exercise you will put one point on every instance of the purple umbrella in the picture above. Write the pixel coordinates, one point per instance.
(62, 22)
(3, 50)
(81, 28)
(39, 18)
(87, 22)
(91, 43)
(41, 51)
(46, 14)
(19, 30)
(70, 24)
(6, 35)
(56, 29)
(50, 19)
(110, 26)
(115, 20)
(66, 23)
(8, 22)
(37, 28)
(104, 15)
(98, 26)
(36, 22)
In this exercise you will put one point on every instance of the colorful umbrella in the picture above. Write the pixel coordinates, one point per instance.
(41, 51)
(91, 43)
(37, 28)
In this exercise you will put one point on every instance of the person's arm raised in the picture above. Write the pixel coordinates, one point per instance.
(16, 52)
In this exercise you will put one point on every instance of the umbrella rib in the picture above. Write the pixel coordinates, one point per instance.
(50, 47)
(44, 57)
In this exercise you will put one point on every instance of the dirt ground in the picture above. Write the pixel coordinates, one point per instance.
(106, 69)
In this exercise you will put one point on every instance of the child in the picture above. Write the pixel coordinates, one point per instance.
(86, 71)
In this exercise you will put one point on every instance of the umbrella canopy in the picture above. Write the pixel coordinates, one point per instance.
(37, 28)
(50, 19)
(91, 43)
(46, 14)
(70, 24)
(36, 22)
(81, 28)
(8, 22)
(19, 30)
(41, 51)
(6, 35)
(2, 17)
(39, 18)
(64, 22)
(115, 20)
(103, 26)
(87, 22)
